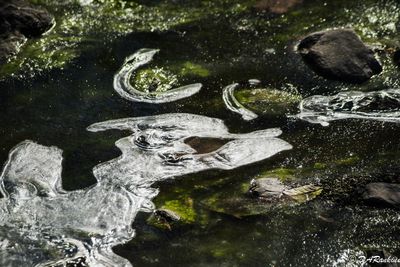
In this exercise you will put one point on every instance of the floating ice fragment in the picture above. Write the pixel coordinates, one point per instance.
(42, 225)
(128, 91)
(228, 95)
(377, 105)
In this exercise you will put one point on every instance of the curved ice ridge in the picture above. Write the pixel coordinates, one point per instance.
(377, 105)
(228, 95)
(42, 225)
(125, 89)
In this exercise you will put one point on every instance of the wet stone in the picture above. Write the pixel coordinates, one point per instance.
(19, 19)
(167, 215)
(273, 189)
(266, 188)
(382, 194)
(339, 55)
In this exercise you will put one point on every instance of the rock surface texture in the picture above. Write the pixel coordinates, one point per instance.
(339, 55)
(383, 194)
(18, 21)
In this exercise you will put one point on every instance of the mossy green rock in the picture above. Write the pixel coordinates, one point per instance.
(183, 208)
(268, 101)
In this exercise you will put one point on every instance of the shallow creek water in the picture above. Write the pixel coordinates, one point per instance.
(87, 156)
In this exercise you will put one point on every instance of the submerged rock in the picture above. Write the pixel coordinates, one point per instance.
(18, 19)
(268, 101)
(204, 145)
(250, 103)
(167, 215)
(339, 55)
(276, 6)
(173, 213)
(382, 194)
(10, 44)
(267, 188)
(273, 189)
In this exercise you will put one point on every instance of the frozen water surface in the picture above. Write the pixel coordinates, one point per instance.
(234, 105)
(44, 225)
(128, 91)
(377, 105)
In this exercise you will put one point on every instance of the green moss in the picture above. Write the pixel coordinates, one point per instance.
(78, 28)
(182, 207)
(235, 204)
(220, 251)
(284, 174)
(348, 161)
(190, 68)
(319, 166)
(268, 101)
(154, 80)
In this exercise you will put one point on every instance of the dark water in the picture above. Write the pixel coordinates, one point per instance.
(52, 102)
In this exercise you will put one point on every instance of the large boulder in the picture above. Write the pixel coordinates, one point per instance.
(18, 20)
(340, 55)
(385, 194)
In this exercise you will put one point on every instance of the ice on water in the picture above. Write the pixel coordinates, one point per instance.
(124, 88)
(381, 105)
(43, 225)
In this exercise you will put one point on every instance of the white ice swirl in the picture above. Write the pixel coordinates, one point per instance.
(42, 225)
(228, 95)
(125, 89)
(377, 105)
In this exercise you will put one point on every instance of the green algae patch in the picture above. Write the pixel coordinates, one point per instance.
(284, 174)
(192, 69)
(184, 208)
(269, 101)
(181, 207)
(319, 166)
(348, 161)
(235, 204)
(154, 80)
(80, 27)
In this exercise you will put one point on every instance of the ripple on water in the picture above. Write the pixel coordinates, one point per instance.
(123, 86)
(42, 224)
(377, 105)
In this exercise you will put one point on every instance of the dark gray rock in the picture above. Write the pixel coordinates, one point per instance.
(9, 45)
(339, 55)
(167, 216)
(18, 20)
(266, 188)
(29, 20)
(382, 194)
